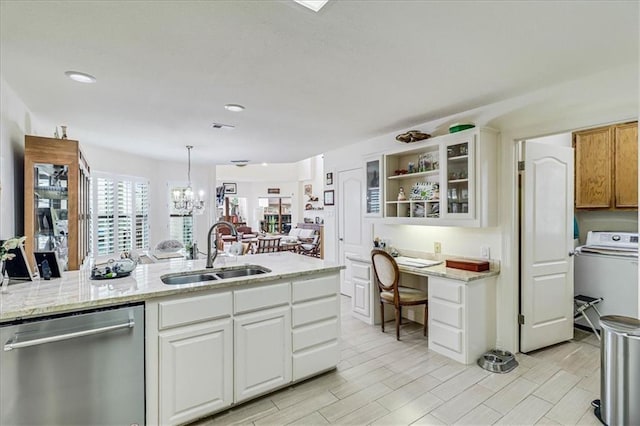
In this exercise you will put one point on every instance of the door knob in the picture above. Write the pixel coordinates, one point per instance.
(340, 239)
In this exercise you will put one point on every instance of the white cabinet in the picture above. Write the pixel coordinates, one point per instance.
(262, 352)
(196, 363)
(462, 317)
(363, 302)
(448, 180)
(195, 356)
(315, 326)
(208, 351)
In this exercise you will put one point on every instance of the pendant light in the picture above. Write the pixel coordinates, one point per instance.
(184, 200)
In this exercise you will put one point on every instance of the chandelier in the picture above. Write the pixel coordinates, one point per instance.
(184, 200)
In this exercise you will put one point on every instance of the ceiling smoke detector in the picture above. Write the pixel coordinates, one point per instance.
(222, 126)
(240, 163)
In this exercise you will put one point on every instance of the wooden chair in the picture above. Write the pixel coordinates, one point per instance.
(268, 245)
(310, 248)
(387, 276)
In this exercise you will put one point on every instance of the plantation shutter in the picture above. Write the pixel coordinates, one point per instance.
(125, 215)
(122, 207)
(105, 194)
(142, 215)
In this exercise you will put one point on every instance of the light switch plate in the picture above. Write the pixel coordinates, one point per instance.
(485, 252)
(437, 248)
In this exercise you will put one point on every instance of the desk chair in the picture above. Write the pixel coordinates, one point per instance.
(387, 277)
(268, 245)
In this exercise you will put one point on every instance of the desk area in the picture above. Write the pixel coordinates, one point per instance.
(462, 305)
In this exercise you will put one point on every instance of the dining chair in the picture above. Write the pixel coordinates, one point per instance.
(268, 245)
(387, 277)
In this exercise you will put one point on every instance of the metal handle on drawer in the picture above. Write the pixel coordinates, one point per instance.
(11, 344)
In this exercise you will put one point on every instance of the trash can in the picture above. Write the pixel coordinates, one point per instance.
(619, 371)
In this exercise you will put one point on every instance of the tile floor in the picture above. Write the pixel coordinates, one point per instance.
(381, 381)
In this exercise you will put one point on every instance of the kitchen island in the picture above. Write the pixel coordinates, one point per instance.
(212, 344)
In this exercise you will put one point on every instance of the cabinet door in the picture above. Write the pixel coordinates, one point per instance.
(373, 188)
(459, 176)
(593, 168)
(196, 371)
(626, 165)
(361, 292)
(262, 352)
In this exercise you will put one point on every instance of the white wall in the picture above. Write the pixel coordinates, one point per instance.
(607, 97)
(16, 121)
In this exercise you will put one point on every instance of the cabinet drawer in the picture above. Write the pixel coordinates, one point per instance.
(316, 359)
(252, 299)
(446, 313)
(360, 270)
(315, 288)
(446, 337)
(193, 309)
(316, 310)
(315, 334)
(446, 290)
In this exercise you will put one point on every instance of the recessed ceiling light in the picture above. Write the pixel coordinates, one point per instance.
(314, 5)
(234, 107)
(265, 164)
(80, 77)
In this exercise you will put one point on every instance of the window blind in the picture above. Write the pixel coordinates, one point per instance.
(122, 211)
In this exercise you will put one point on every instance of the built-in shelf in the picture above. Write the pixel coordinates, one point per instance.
(415, 175)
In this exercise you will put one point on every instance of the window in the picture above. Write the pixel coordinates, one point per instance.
(122, 214)
(180, 226)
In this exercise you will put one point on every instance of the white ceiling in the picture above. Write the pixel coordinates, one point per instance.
(310, 81)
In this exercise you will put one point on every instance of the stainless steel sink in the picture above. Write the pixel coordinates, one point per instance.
(244, 272)
(187, 278)
(213, 274)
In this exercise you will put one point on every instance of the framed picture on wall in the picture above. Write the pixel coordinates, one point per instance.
(230, 188)
(328, 197)
(329, 179)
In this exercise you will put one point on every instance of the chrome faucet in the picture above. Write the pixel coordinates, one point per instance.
(211, 259)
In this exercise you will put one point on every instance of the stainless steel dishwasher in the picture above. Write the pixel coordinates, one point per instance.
(85, 368)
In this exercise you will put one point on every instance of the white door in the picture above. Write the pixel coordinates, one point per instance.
(349, 223)
(546, 281)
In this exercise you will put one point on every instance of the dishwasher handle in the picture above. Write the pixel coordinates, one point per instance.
(12, 344)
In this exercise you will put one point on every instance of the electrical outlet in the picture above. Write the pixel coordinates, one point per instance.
(485, 252)
(437, 248)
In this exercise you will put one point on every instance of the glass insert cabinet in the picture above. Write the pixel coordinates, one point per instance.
(373, 186)
(57, 186)
(449, 180)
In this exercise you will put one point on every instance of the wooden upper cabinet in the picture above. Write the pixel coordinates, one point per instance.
(593, 167)
(606, 167)
(626, 165)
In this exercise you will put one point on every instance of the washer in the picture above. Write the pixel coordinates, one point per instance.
(607, 266)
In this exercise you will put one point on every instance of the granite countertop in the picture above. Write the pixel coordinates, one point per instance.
(76, 291)
(439, 270)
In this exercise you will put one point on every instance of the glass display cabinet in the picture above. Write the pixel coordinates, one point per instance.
(56, 201)
(459, 177)
(373, 188)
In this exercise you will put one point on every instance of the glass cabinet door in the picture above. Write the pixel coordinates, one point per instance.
(459, 178)
(51, 202)
(373, 188)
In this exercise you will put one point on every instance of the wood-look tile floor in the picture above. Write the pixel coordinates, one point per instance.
(381, 381)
